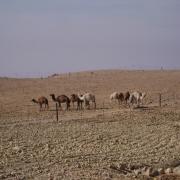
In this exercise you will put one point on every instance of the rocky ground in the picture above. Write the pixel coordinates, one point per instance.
(111, 142)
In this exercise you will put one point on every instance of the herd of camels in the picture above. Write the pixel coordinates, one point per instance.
(128, 98)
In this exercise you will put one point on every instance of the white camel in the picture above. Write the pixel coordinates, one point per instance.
(87, 98)
(136, 98)
(114, 95)
(117, 96)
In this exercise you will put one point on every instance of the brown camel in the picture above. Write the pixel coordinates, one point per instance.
(120, 98)
(61, 99)
(41, 100)
(126, 96)
(75, 98)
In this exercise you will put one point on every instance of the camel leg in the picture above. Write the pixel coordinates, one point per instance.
(94, 105)
(46, 106)
(78, 105)
(60, 106)
(127, 104)
(67, 106)
(119, 101)
(138, 103)
(40, 107)
(86, 103)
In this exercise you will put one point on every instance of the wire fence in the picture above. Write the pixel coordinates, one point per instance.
(30, 112)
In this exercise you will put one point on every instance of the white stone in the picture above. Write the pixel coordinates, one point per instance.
(168, 171)
(176, 170)
(161, 171)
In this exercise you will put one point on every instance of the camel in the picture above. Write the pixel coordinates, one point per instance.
(61, 99)
(136, 98)
(87, 98)
(126, 96)
(117, 96)
(114, 96)
(41, 100)
(121, 98)
(75, 98)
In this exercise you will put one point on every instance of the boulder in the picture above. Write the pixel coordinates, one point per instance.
(176, 170)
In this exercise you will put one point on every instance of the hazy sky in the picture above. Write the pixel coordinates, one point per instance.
(41, 37)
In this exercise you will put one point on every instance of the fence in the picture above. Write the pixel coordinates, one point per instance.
(31, 112)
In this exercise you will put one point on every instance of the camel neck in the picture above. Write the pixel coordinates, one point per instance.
(54, 98)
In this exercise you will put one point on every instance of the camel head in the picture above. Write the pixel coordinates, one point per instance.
(33, 100)
(81, 97)
(73, 96)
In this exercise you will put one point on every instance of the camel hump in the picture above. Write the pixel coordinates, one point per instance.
(73, 95)
(114, 95)
(42, 100)
(64, 96)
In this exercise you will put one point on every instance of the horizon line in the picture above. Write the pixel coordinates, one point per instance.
(35, 76)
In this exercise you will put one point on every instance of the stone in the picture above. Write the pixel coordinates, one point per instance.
(122, 166)
(144, 171)
(168, 171)
(150, 172)
(161, 171)
(137, 172)
(17, 149)
(176, 170)
(46, 147)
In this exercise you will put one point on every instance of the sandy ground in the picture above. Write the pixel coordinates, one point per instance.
(85, 144)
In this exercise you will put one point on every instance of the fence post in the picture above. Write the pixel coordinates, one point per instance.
(160, 98)
(57, 115)
(81, 114)
(103, 110)
(174, 97)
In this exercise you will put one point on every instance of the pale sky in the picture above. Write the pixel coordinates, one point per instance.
(42, 37)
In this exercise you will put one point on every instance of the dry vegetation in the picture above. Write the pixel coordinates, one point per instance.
(86, 144)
